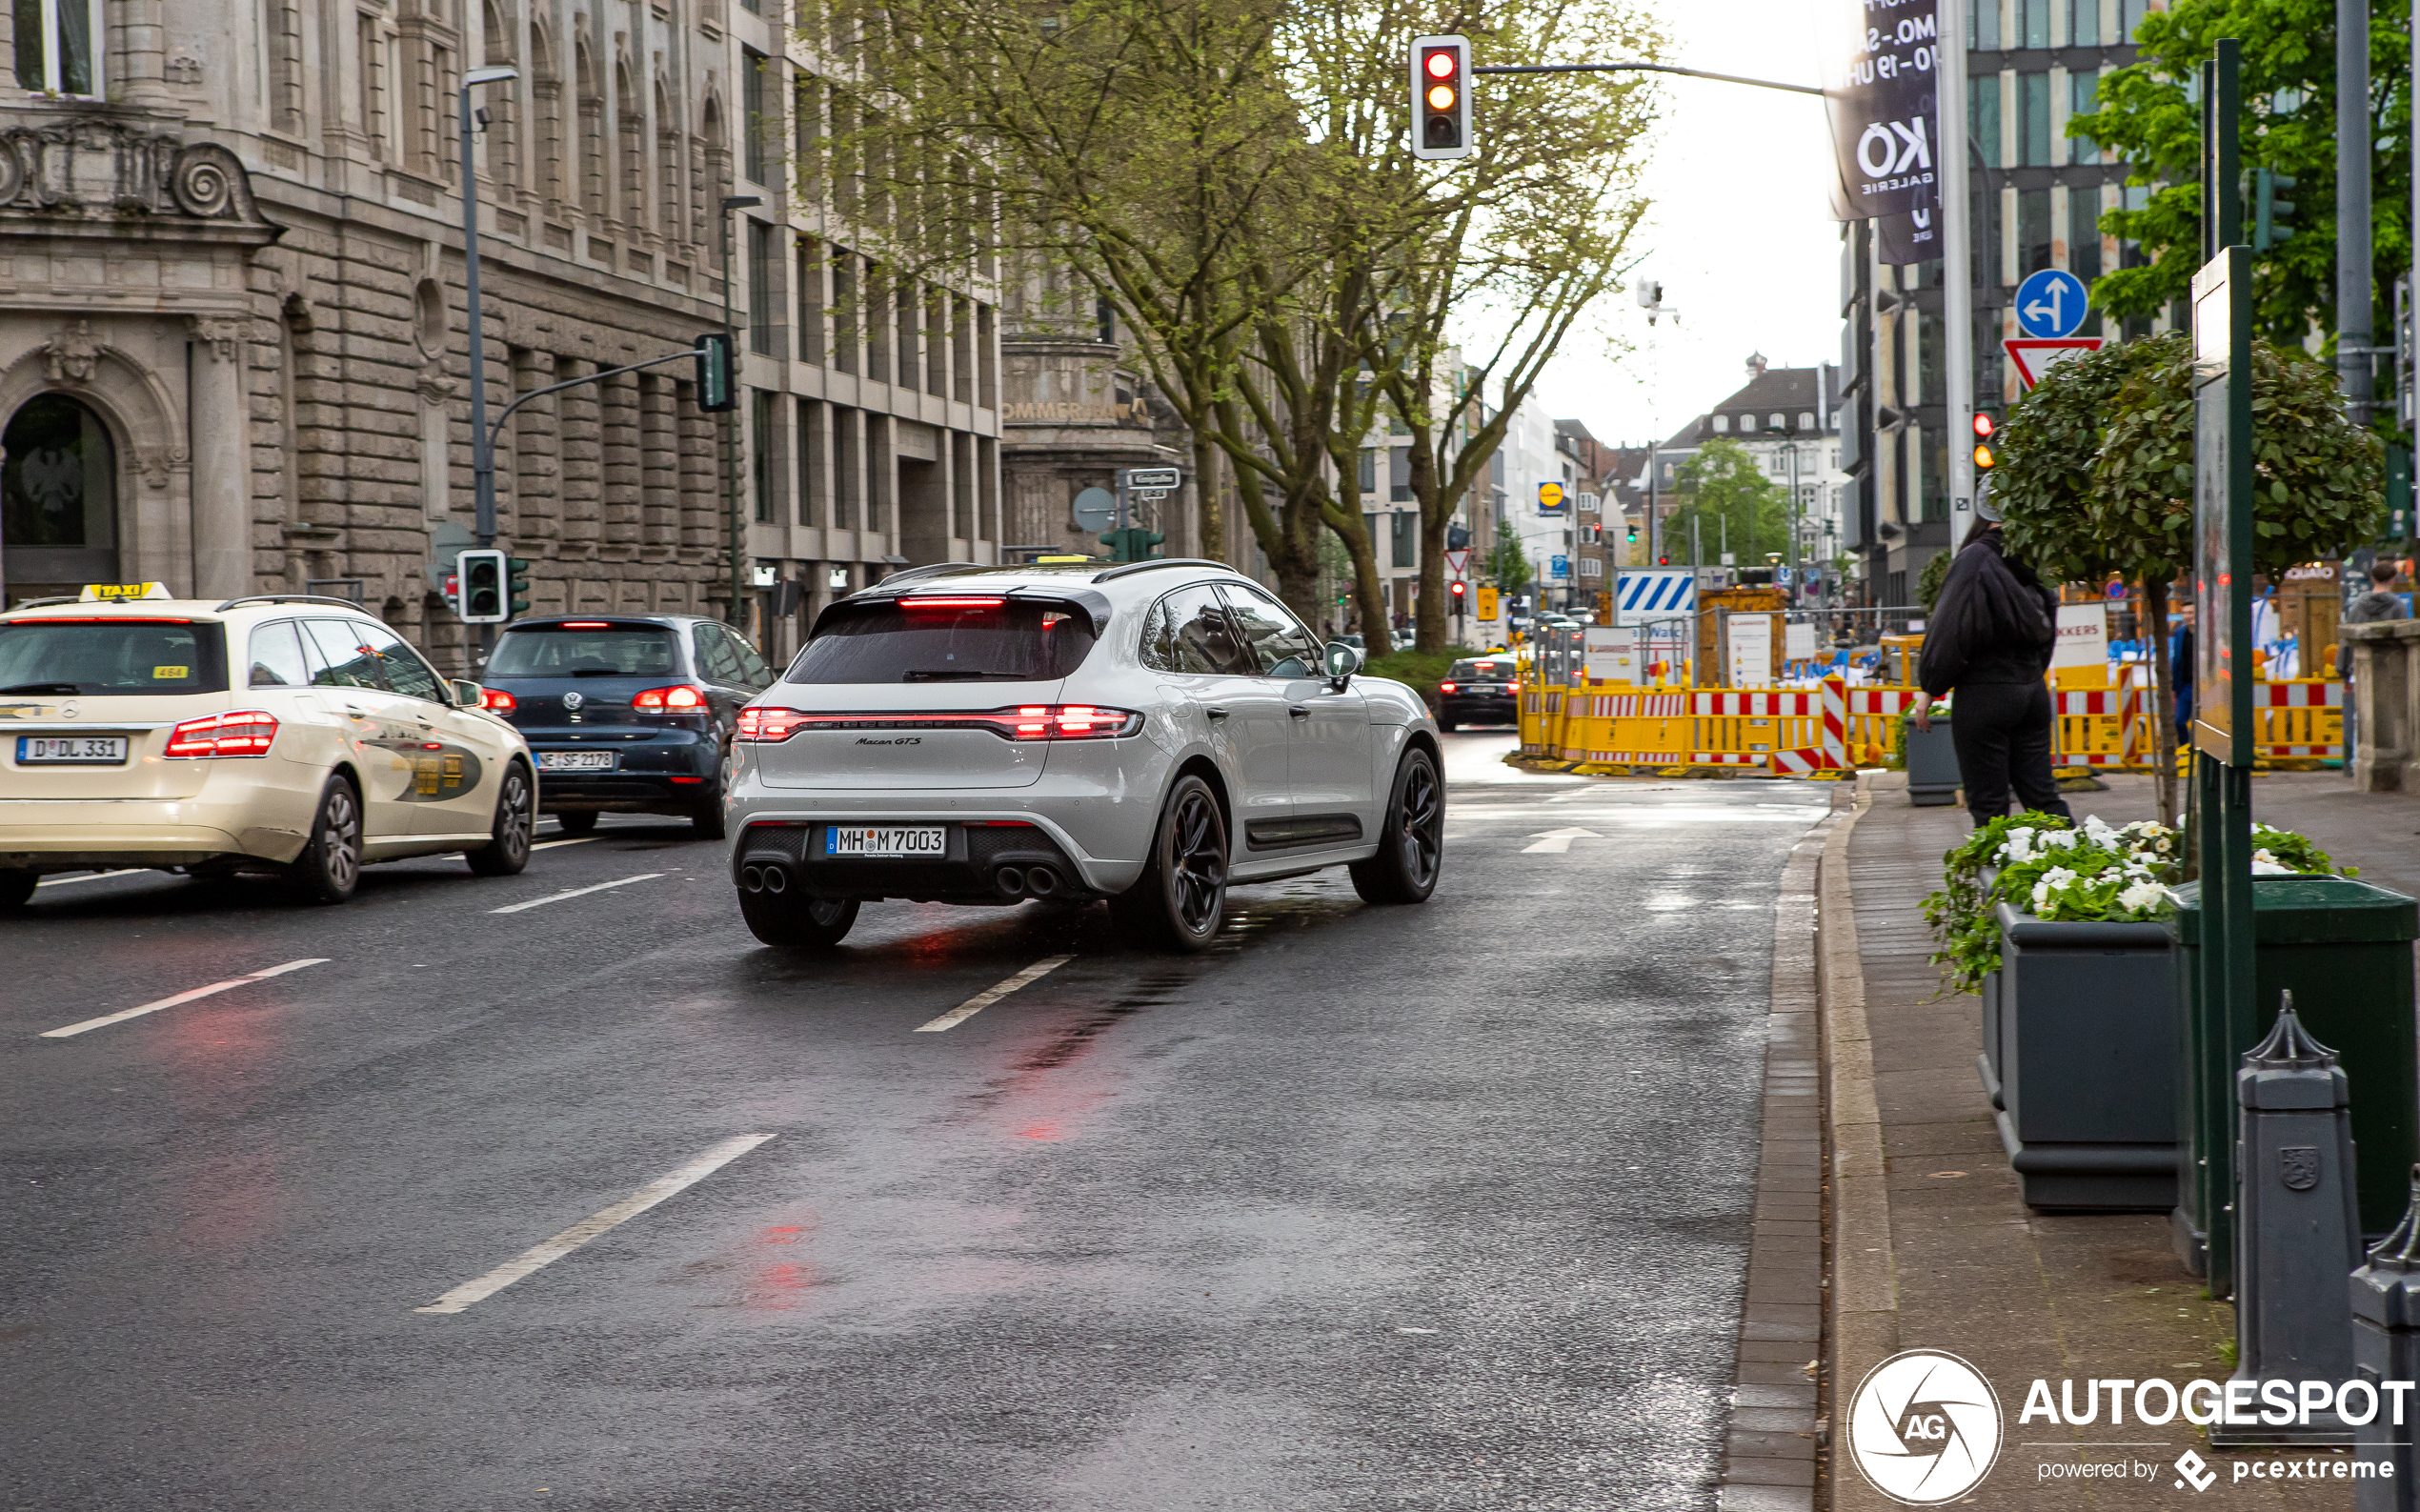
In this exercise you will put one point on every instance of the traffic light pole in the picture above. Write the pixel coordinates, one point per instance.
(482, 444)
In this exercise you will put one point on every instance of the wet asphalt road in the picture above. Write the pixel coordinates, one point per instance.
(1439, 1207)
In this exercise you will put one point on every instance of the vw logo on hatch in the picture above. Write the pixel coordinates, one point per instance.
(573, 702)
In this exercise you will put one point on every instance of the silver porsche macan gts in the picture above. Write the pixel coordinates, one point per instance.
(1149, 735)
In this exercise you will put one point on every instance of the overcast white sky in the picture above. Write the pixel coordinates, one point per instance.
(1739, 232)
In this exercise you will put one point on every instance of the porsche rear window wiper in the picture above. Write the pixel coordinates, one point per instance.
(954, 675)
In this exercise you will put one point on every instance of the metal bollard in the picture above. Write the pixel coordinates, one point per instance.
(2296, 1231)
(2386, 1346)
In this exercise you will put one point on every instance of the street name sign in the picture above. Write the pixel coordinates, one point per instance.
(1139, 477)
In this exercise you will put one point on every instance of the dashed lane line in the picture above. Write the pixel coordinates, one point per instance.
(531, 1260)
(991, 994)
(548, 845)
(124, 1013)
(577, 892)
(90, 877)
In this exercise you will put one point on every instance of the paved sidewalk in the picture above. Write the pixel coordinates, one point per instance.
(1928, 1245)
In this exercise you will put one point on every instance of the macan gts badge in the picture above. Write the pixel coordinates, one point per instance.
(1147, 735)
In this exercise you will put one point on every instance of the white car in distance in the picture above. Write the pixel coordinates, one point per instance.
(1148, 734)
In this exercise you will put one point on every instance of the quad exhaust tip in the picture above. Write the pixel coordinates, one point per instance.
(1011, 881)
(763, 879)
(1042, 881)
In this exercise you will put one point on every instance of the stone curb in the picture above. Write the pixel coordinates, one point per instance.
(1861, 1313)
(1770, 1455)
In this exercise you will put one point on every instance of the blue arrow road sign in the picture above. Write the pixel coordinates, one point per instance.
(2051, 303)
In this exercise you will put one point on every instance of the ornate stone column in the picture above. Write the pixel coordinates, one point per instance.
(221, 422)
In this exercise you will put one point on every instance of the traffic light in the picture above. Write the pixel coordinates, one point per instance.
(2399, 494)
(1631, 535)
(1663, 561)
(483, 575)
(1133, 544)
(2271, 217)
(451, 585)
(519, 569)
(1461, 594)
(717, 373)
(1983, 443)
(1441, 97)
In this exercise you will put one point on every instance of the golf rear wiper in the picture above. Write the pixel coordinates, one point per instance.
(44, 687)
(605, 672)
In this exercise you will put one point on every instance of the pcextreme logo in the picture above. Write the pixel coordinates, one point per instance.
(1924, 1427)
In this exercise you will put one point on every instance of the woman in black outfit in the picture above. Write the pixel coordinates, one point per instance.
(1991, 637)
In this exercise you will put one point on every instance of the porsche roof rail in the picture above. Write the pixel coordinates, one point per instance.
(290, 598)
(1156, 563)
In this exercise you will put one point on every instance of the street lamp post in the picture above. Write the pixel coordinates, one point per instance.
(731, 417)
(482, 450)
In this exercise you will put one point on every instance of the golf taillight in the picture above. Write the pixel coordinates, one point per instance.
(1446, 687)
(244, 732)
(495, 700)
(681, 698)
(1512, 687)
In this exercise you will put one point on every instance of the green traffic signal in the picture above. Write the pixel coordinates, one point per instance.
(482, 574)
(717, 373)
(1133, 544)
(519, 568)
(2271, 217)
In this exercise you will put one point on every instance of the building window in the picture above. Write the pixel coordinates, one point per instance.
(760, 453)
(1368, 480)
(2084, 23)
(2033, 230)
(1983, 117)
(2082, 84)
(1805, 421)
(2084, 232)
(2033, 22)
(58, 495)
(1722, 423)
(809, 462)
(1404, 551)
(1983, 25)
(764, 283)
(59, 45)
(2033, 115)
(756, 73)
(2131, 13)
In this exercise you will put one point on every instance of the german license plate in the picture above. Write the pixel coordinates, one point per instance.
(881, 841)
(71, 749)
(577, 760)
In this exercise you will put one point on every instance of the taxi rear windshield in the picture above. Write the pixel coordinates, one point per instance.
(563, 651)
(1482, 672)
(972, 639)
(110, 657)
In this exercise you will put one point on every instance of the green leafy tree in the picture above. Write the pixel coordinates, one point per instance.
(1508, 566)
(1724, 490)
(2149, 116)
(2096, 477)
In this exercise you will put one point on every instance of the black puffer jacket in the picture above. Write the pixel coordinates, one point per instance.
(1993, 622)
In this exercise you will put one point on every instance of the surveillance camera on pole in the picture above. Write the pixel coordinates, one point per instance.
(1649, 292)
(1441, 97)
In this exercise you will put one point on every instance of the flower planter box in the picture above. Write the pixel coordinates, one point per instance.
(1932, 765)
(1988, 1060)
(2079, 1049)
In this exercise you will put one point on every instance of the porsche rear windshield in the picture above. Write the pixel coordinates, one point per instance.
(1482, 671)
(974, 638)
(587, 651)
(112, 655)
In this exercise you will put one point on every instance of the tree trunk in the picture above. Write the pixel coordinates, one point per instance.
(1209, 516)
(2163, 699)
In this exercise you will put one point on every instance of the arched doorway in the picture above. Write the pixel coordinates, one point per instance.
(58, 499)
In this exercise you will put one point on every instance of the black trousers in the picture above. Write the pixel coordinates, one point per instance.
(2002, 731)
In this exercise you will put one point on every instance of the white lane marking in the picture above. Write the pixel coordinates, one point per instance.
(548, 845)
(90, 877)
(124, 1013)
(991, 994)
(577, 892)
(535, 1259)
(1554, 842)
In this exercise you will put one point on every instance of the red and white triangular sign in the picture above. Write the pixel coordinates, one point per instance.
(1458, 560)
(2036, 356)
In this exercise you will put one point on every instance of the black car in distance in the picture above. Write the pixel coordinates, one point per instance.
(1479, 690)
(626, 713)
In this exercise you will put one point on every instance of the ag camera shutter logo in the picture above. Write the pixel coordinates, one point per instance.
(1924, 1427)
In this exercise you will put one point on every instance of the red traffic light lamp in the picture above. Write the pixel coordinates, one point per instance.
(1441, 97)
(1984, 430)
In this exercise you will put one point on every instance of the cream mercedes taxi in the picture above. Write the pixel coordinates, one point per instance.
(277, 734)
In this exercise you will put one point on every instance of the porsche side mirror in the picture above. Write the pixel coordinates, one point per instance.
(1341, 662)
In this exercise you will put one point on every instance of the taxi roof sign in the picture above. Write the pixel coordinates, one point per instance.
(107, 593)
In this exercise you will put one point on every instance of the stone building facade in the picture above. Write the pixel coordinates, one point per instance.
(234, 356)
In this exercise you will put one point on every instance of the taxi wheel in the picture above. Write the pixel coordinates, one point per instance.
(1179, 901)
(508, 847)
(17, 887)
(1411, 844)
(797, 921)
(329, 866)
(577, 821)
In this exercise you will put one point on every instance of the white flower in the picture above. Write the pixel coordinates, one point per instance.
(2262, 866)
(2018, 846)
(2053, 881)
(2098, 828)
(2140, 895)
(2060, 839)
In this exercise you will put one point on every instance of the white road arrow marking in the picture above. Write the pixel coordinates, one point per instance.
(1554, 842)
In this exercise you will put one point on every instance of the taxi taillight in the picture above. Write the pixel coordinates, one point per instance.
(244, 732)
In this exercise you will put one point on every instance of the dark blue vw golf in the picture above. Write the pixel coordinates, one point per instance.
(628, 714)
